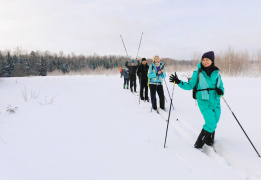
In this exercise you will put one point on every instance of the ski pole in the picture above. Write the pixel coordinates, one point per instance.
(240, 125)
(168, 93)
(124, 46)
(139, 45)
(140, 88)
(168, 118)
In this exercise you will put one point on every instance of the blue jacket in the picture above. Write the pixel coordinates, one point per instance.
(154, 77)
(125, 74)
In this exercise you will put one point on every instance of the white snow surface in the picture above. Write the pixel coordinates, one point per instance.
(90, 128)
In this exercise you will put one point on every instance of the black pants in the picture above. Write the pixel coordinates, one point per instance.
(133, 82)
(160, 93)
(126, 81)
(144, 85)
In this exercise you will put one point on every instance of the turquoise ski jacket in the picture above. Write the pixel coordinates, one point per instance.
(152, 74)
(208, 100)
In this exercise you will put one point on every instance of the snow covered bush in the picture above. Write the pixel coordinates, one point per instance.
(11, 109)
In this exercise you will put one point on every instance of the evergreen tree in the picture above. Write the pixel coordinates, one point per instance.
(65, 68)
(1, 63)
(42, 69)
(7, 66)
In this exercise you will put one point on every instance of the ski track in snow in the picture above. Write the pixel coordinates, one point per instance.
(189, 134)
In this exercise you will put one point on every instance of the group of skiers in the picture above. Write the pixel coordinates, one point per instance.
(151, 76)
(206, 83)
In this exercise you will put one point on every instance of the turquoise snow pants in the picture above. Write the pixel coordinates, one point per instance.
(211, 116)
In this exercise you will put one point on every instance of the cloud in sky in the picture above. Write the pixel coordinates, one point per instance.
(175, 29)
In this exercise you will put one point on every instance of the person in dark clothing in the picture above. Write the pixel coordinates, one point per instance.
(142, 73)
(132, 73)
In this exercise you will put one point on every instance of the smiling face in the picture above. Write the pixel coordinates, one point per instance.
(156, 59)
(206, 62)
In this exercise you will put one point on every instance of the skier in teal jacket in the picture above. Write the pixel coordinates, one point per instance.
(156, 75)
(208, 91)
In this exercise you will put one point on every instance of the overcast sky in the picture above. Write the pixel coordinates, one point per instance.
(176, 28)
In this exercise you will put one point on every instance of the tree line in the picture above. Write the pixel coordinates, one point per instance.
(21, 63)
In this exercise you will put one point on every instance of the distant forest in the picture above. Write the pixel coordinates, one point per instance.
(36, 63)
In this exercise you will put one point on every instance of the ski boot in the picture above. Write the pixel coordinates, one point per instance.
(123, 86)
(210, 139)
(203, 136)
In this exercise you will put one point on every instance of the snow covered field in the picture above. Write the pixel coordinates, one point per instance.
(89, 128)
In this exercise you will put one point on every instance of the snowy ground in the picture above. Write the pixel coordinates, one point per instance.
(89, 128)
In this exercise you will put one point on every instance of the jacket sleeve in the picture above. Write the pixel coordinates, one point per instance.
(126, 64)
(139, 70)
(220, 85)
(151, 73)
(163, 75)
(192, 82)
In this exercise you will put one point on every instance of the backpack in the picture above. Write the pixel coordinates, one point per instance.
(194, 91)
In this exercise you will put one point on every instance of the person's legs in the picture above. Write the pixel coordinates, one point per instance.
(209, 126)
(211, 138)
(128, 80)
(160, 92)
(141, 89)
(134, 81)
(153, 96)
(210, 119)
(131, 83)
(146, 89)
(125, 82)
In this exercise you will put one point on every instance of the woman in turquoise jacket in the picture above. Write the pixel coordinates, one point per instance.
(156, 74)
(208, 91)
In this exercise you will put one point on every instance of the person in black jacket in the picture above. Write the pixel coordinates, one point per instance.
(142, 73)
(132, 73)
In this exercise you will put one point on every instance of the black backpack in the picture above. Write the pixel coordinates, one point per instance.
(194, 91)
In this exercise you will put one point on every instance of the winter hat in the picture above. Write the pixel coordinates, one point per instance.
(132, 61)
(143, 59)
(210, 55)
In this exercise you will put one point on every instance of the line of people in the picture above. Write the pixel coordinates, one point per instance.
(149, 76)
(206, 83)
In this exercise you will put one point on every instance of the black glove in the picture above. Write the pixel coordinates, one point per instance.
(219, 91)
(174, 78)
